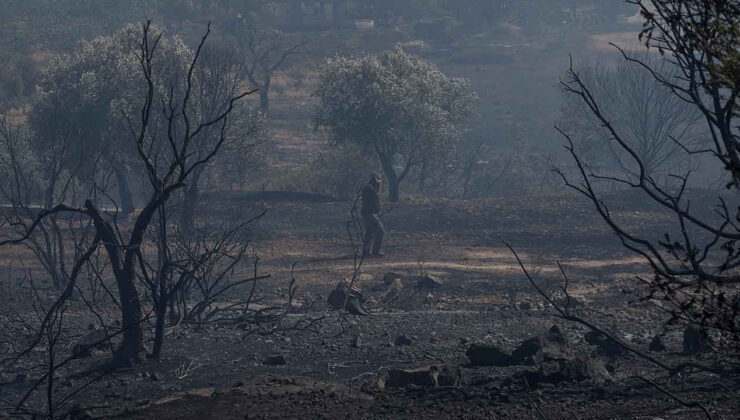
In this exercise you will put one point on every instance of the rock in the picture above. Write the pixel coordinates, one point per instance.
(354, 307)
(594, 338)
(428, 376)
(570, 303)
(482, 380)
(488, 355)
(391, 277)
(576, 370)
(428, 282)
(94, 339)
(157, 377)
(357, 342)
(606, 345)
(381, 384)
(525, 306)
(549, 346)
(338, 296)
(275, 360)
(695, 340)
(656, 344)
(402, 340)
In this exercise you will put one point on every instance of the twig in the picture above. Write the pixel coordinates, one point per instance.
(674, 397)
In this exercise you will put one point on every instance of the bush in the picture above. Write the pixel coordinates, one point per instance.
(339, 173)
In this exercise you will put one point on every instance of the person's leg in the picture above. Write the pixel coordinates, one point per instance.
(379, 232)
(367, 240)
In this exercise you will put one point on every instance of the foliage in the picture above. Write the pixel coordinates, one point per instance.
(338, 173)
(395, 105)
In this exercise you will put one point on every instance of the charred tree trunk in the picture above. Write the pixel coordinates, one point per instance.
(124, 191)
(124, 272)
(133, 334)
(265, 94)
(161, 310)
(190, 204)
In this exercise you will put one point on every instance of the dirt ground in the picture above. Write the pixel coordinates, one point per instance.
(332, 369)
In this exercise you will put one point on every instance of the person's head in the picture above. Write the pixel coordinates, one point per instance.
(375, 180)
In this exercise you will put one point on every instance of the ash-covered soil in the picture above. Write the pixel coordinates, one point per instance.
(335, 366)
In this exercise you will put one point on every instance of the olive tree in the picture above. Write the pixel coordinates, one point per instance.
(394, 105)
(215, 80)
(84, 96)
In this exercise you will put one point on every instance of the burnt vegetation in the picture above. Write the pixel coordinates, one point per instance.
(187, 221)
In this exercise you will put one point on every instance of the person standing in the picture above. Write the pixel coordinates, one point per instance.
(374, 230)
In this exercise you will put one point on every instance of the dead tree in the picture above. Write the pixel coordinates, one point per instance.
(650, 118)
(694, 267)
(265, 51)
(216, 80)
(168, 162)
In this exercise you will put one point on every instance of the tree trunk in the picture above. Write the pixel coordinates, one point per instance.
(125, 275)
(124, 192)
(265, 95)
(190, 204)
(393, 190)
(391, 177)
(133, 334)
(467, 176)
(161, 320)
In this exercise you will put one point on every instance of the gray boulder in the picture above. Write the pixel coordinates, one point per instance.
(488, 355)
(548, 346)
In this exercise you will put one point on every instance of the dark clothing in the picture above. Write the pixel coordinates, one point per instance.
(370, 200)
(374, 232)
(374, 229)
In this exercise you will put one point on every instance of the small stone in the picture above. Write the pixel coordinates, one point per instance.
(357, 342)
(402, 340)
(695, 340)
(488, 355)
(94, 339)
(338, 297)
(548, 346)
(428, 282)
(525, 306)
(656, 344)
(428, 376)
(390, 277)
(606, 345)
(156, 376)
(275, 360)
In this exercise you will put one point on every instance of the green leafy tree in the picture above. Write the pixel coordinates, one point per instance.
(85, 95)
(395, 105)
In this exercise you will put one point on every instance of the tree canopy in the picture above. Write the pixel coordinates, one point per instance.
(394, 105)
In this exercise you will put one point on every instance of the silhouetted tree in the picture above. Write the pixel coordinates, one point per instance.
(265, 51)
(163, 134)
(694, 267)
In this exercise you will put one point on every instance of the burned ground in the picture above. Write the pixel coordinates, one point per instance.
(332, 369)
